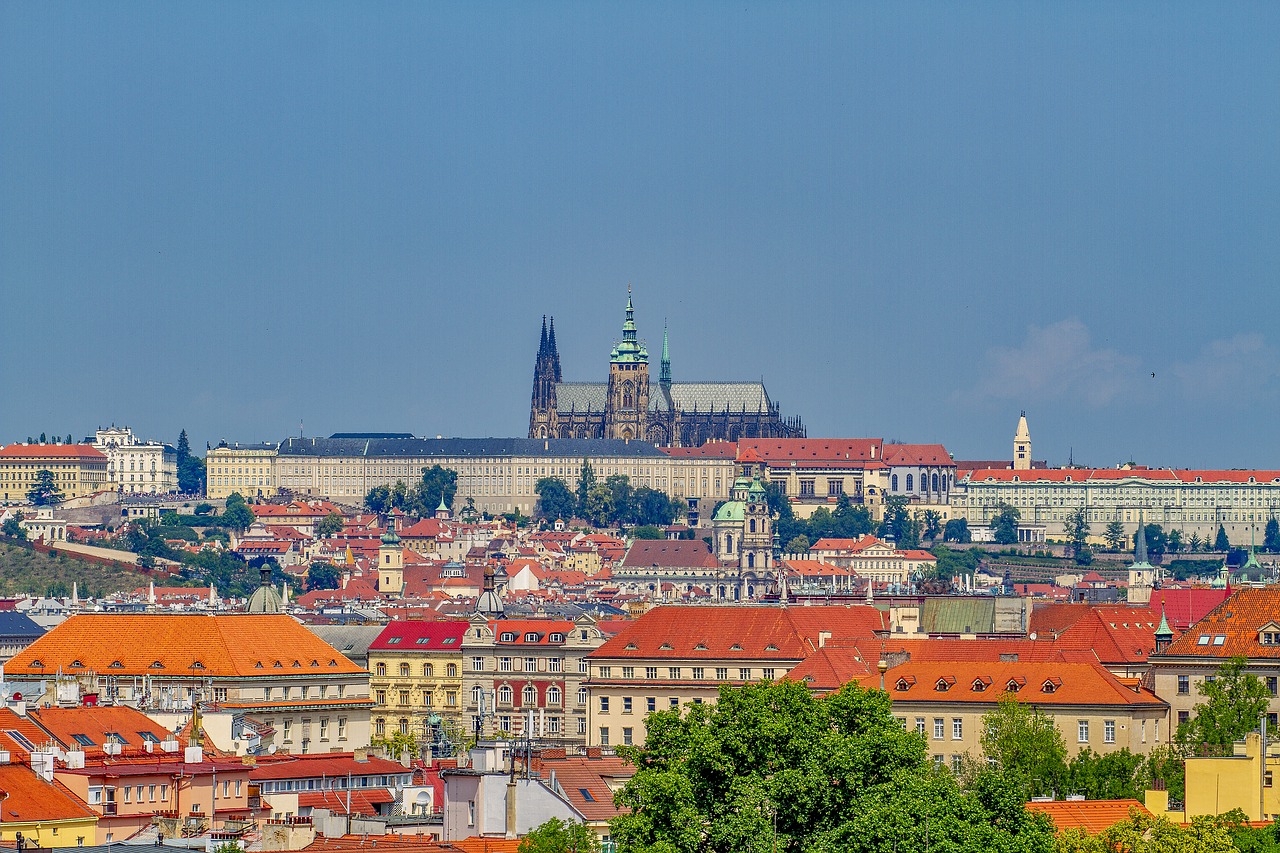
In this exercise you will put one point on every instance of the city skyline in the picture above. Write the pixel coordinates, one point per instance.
(913, 222)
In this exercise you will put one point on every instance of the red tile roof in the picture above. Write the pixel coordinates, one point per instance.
(917, 454)
(330, 765)
(1093, 816)
(665, 553)
(815, 451)
(52, 451)
(1234, 627)
(585, 782)
(1074, 683)
(30, 798)
(420, 636)
(363, 802)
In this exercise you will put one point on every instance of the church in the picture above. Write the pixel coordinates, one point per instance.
(631, 405)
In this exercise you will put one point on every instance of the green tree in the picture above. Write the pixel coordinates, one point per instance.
(323, 575)
(1157, 542)
(1221, 542)
(957, 530)
(44, 491)
(13, 528)
(1023, 743)
(1004, 524)
(798, 545)
(170, 519)
(555, 501)
(599, 509)
(558, 836)
(1143, 833)
(378, 501)
(437, 482)
(655, 507)
(1077, 529)
(1271, 537)
(586, 481)
(932, 524)
(1195, 544)
(772, 767)
(1114, 535)
(1114, 776)
(895, 517)
(1173, 542)
(849, 521)
(190, 468)
(330, 525)
(1233, 701)
(647, 531)
(622, 498)
(237, 514)
(69, 441)
(43, 440)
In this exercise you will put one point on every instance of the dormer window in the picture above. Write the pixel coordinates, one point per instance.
(905, 683)
(981, 683)
(701, 647)
(76, 664)
(507, 637)
(555, 637)
(531, 637)
(771, 648)
(666, 647)
(736, 647)
(1013, 685)
(155, 664)
(944, 683)
(115, 664)
(1051, 685)
(1203, 640)
(631, 647)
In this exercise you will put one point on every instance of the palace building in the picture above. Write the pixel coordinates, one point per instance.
(631, 406)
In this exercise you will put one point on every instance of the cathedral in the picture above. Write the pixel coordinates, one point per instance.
(631, 405)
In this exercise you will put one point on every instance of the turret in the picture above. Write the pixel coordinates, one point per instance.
(1022, 445)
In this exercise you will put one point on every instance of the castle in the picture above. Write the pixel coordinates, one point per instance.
(631, 405)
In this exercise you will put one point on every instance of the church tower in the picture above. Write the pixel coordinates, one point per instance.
(627, 396)
(1022, 445)
(546, 373)
(390, 561)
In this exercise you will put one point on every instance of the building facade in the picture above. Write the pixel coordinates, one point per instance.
(416, 678)
(79, 470)
(631, 406)
(135, 466)
(248, 469)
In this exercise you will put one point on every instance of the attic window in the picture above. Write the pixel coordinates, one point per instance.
(297, 664)
(944, 683)
(701, 647)
(315, 662)
(981, 683)
(76, 663)
(448, 641)
(904, 684)
(393, 641)
(333, 661)
(666, 647)
(1203, 641)
(1051, 685)
(507, 637)
(771, 648)
(155, 664)
(531, 637)
(632, 647)
(422, 641)
(115, 664)
(1015, 684)
(1219, 639)
(277, 665)
(258, 665)
(37, 663)
(83, 740)
(148, 737)
(197, 665)
(586, 795)
(736, 647)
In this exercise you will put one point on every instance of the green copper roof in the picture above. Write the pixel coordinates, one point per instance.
(390, 537)
(1164, 630)
(731, 511)
(630, 350)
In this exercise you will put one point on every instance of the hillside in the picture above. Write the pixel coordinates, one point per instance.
(24, 570)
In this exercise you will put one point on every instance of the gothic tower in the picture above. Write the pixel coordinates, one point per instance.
(627, 398)
(546, 373)
(1022, 445)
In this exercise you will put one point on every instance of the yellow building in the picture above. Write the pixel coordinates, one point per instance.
(416, 670)
(1220, 784)
(245, 468)
(78, 469)
(43, 812)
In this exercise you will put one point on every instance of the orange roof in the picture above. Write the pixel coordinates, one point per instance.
(168, 645)
(585, 782)
(1072, 683)
(72, 726)
(51, 451)
(30, 798)
(1093, 816)
(1234, 627)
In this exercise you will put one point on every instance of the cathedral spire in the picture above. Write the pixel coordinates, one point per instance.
(555, 353)
(542, 345)
(664, 377)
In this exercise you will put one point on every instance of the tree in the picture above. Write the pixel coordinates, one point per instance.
(203, 508)
(69, 441)
(1114, 535)
(932, 524)
(622, 498)
(586, 480)
(1024, 743)
(237, 514)
(1114, 776)
(1173, 542)
(330, 525)
(1144, 833)
(895, 517)
(798, 545)
(909, 532)
(558, 836)
(1157, 542)
(957, 530)
(655, 507)
(378, 501)
(191, 470)
(1234, 700)
(43, 440)
(1271, 538)
(44, 491)
(647, 531)
(323, 576)
(555, 501)
(1004, 524)
(849, 521)
(1195, 544)
(599, 509)
(13, 528)
(770, 766)
(1077, 529)
(437, 483)
(1221, 542)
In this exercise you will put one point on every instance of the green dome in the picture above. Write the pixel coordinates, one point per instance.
(731, 511)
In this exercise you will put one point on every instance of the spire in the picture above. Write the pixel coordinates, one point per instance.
(630, 350)
(555, 353)
(664, 377)
(1140, 543)
(542, 345)
(1164, 630)
(390, 538)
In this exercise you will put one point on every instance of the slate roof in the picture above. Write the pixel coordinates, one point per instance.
(685, 396)
(670, 554)
(465, 447)
(15, 624)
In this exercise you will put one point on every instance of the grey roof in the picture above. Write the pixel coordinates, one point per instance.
(685, 396)
(466, 447)
(15, 624)
(352, 640)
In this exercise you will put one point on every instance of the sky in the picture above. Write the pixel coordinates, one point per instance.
(912, 220)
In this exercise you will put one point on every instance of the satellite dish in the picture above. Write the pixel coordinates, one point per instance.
(17, 697)
(1033, 635)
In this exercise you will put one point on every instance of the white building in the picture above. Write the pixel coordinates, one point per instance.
(135, 466)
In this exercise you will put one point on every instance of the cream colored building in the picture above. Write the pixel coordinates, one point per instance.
(248, 469)
(499, 474)
(135, 466)
(78, 469)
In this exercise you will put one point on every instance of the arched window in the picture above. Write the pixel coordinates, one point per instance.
(894, 482)
(909, 483)
(476, 693)
(935, 482)
(504, 694)
(451, 670)
(751, 560)
(752, 525)
(380, 669)
(404, 670)
(428, 670)
(553, 695)
(628, 401)
(529, 696)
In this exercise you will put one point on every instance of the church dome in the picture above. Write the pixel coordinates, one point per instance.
(265, 599)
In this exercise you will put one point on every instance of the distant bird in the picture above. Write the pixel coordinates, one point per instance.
(1153, 374)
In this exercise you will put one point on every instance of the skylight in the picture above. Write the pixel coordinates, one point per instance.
(83, 740)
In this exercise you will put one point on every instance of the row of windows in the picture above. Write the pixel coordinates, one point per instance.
(428, 670)
(428, 698)
(697, 673)
(957, 729)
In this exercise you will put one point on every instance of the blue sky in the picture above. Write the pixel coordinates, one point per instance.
(913, 220)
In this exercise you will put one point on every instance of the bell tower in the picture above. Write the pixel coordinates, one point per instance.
(627, 400)
(1022, 445)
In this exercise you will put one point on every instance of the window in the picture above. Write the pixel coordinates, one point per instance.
(380, 669)
(582, 695)
(1184, 685)
(404, 670)
(583, 666)
(920, 726)
(673, 672)
(957, 763)
(553, 695)
(324, 735)
(626, 735)
(628, 672)
(626, 704)
(744, 673)
(582, 726)
(504, 664)
(1271, 684)
(1109, 731)
(767, 673)
(604, 735)
(835, 488)
(529, 696)
(505, 694)
(651, 703)
(957, 729)
(380, 697)
(427, 699)
(604, 704)
(1082, 731)
(939, 725)
(606, 672)
(674, 702)
(1183, 716)
(553, 665)
(698, 673)
(404, 698)
(806, 488)
(530, 664)
(428, 670)
(477, 664)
